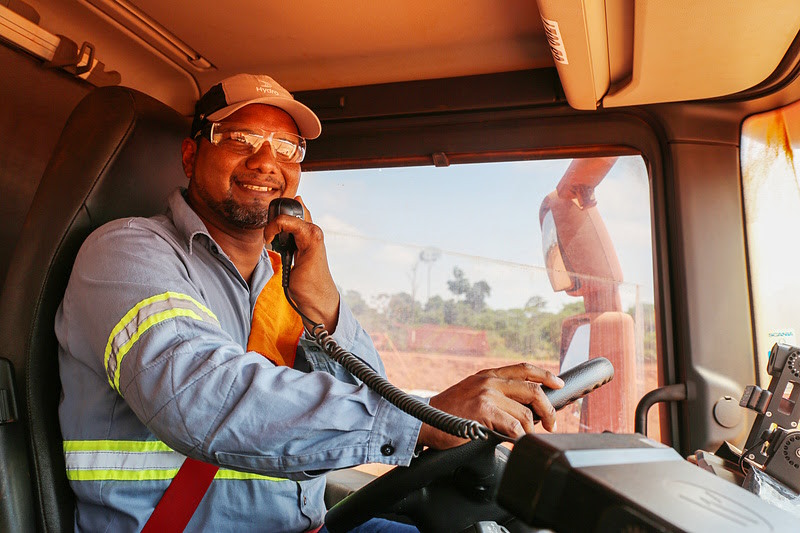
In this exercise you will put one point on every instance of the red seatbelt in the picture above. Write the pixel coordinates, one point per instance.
(274, 333)
(182, 497)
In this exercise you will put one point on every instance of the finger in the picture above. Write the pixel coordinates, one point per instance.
(273, 228)
(270, 230)
(281, 223)
(519, 390)
(518, 411)
(507, 424)
(547, 413)
(306, 234)
(529, 393)
(529, 372)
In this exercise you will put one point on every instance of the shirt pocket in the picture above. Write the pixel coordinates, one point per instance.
(311, 358)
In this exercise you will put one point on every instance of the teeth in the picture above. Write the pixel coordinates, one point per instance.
(257, 188)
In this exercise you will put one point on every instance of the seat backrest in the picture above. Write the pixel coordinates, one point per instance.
(36, 104)
(118, 155)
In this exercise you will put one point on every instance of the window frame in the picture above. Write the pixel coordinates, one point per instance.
(534, 131)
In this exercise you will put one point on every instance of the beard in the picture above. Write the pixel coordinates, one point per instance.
(240, 215)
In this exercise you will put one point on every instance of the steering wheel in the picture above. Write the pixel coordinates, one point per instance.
(386, 494)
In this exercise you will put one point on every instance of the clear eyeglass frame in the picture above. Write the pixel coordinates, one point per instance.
(247, 140)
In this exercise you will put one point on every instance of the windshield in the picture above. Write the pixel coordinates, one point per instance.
(448, 282)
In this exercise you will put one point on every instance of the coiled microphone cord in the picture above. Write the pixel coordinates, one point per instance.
(454, 425)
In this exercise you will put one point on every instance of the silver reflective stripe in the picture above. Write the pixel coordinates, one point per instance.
(101, 460)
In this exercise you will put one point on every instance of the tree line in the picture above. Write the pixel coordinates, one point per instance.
(531, 331)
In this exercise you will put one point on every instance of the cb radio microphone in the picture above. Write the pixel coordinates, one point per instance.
(283, 243)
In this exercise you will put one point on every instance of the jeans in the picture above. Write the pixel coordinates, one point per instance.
(380, 525)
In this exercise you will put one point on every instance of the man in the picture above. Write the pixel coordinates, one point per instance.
(175, 341)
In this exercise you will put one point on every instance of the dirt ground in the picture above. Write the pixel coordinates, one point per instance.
(433, 373)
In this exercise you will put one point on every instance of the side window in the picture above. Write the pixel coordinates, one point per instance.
(771, 191)
(452, 270)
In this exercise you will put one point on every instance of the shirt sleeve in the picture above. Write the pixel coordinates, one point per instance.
(134, 313)
(350, 336)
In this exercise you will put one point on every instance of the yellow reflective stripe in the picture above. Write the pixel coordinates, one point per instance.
(115, 446)
(224, 473)
(121, 475)
(131, 315)
(157, 475)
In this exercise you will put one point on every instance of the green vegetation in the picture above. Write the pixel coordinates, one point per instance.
(529, 332)
(532, 332)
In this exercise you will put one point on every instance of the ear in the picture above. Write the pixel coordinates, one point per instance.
(188, 156)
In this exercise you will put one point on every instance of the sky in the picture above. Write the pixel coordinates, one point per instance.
(482, 218)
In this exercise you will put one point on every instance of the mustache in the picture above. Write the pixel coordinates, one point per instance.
(255, 177)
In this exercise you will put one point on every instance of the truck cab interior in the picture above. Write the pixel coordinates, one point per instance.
(694, 101)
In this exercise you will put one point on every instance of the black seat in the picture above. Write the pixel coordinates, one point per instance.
(119, 155)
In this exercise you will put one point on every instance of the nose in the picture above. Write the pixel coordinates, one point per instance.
(263, 160)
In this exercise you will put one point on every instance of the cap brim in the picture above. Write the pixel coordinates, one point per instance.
(307, 122)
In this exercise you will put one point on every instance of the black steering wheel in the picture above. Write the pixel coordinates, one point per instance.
(389, 493)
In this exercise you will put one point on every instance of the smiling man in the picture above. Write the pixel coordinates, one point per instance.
(183, 389)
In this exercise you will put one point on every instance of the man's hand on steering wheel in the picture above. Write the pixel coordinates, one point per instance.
(503, 399)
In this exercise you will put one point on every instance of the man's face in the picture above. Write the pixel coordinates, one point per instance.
(231, 189)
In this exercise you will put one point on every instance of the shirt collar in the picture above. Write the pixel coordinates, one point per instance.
(185, 219)
(189, 226)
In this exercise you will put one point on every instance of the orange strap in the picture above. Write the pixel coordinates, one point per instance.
(276, 327)
(274, 333)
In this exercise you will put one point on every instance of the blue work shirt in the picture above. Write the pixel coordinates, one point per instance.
(152, 336)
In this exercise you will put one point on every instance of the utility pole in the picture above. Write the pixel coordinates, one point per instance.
(430, 256)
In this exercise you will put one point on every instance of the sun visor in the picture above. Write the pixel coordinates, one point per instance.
(576, 33)
(621, 52)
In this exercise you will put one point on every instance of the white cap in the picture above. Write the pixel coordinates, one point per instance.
(233, 93)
